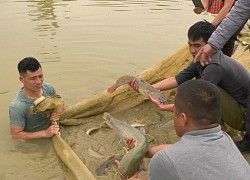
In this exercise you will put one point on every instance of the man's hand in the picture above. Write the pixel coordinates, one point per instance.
(163, 107)
(204, 55)
(134, 85)
(152, 151)
(52, 130)
(55, 116)
(134, 177)
(131, 143)
(156, 102)
(198, 10)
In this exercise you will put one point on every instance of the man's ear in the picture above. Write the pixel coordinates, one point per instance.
(21, 78)
(183, 119)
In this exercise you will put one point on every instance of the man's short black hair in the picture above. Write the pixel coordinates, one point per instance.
(201, 29)
(200, 100)
(28, 64)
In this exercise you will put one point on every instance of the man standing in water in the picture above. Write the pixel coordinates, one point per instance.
(23, 124)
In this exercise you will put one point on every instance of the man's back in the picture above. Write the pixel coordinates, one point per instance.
(204, 154)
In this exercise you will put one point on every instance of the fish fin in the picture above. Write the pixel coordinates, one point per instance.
(111, 89)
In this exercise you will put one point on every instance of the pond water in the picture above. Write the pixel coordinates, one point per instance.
(84, 46)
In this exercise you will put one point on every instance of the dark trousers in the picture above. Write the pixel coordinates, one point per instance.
(232, 113)
(247, 119)
(228, 48)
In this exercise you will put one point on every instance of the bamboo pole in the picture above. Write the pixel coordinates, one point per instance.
(77, 168)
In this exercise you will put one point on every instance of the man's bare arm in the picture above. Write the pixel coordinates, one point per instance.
(166, 84)
(18, 133)
(152, 151)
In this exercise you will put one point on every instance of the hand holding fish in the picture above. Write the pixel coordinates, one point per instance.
(134, 84)
(160, 105)
(131, 143)
(125, 177)
(133, 177)
(140, 86)
(55, 116)
(132, 160)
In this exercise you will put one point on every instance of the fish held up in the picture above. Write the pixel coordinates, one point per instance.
(143, 87)
(131, 162)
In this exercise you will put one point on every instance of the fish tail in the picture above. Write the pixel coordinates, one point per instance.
(111, 89)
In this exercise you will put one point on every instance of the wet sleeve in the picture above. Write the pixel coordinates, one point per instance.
(16, 117)
(49, 90)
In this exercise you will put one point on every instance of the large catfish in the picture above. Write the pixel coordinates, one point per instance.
(131, 161)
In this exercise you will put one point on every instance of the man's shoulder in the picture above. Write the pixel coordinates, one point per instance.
(18, 100)
(226, 62)
(219, 60)
(218, 56)
(48, 86)
(19, 103)
(48, 89)
(175, 150)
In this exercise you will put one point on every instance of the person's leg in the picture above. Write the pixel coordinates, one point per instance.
(228, 48)
(247, 121)
(233, 113)
(244, 145)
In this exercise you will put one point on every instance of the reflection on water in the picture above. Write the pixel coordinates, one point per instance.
(125, 4)
(44, 11)
(44, 16)
(99, 27)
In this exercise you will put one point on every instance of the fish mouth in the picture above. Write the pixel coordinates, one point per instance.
(110, 124)
(109, 121)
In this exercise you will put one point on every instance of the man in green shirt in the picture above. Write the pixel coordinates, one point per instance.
(23, 124)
